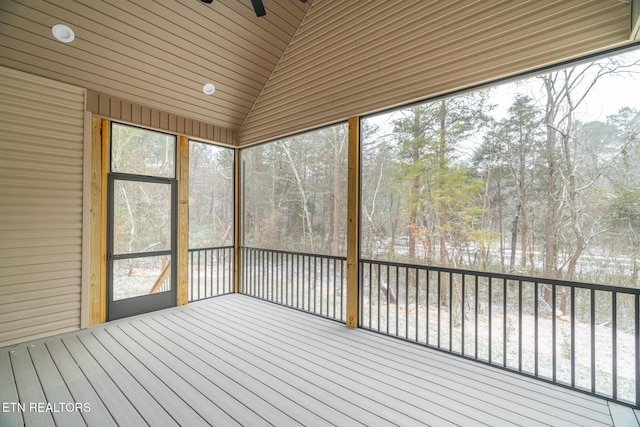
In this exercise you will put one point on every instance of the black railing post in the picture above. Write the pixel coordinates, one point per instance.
(450, 310)
(535, 328)
(614, 345)
(490, 317)
(504, 322)
(462, 300)
(553, 332)
(519, 325)
(573, 336)
(593, 341)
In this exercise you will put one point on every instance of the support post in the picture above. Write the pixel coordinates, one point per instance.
(353, 222)
(106, 165)
(183, 221)
(236, 220)
(98, 221)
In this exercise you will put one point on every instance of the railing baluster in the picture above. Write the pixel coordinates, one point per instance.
(553, 332)
(315, 282)
(328, 287)
(462, 300)
(573, 336)
(593, 341)
(637, 346)
(504, 323)
(614, 345)
(334, 288)
(519, 325)
(217, 273)
(308, 283)
(406, 303)
(417, 310)
(278, 278)
(426, 338)
(535, 328)
(438, 302)
(254, 280)
(369, 299)
(285, 278)
(199, 266)
(342, 285)
(490, 317)
(397, 298)
(264, 271)
(191, 278)
(209, 287)
(450, 310)
(246, 267)
(379, 279)
(475, 313)
(388, 300)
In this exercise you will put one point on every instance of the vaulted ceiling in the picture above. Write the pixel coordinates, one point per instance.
(158, 53)
(303, 64)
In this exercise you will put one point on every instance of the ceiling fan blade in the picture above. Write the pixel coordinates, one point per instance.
(258, 6)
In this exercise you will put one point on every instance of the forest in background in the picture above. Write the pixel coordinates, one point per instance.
(527, 184)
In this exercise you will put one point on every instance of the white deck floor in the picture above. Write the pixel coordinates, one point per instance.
(236, 360)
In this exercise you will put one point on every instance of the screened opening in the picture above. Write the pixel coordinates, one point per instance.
(538, 177)
(211, 220)
(487, 217)
(142, 152)
(294, 221)
(295, 192)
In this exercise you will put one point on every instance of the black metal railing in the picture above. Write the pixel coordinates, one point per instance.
(579, 335)
(210, 272)
(309, 282)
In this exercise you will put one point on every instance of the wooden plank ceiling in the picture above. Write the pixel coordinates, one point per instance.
(302, 65)
(157, 53)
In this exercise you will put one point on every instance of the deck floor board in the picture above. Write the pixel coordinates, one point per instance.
(447, 375)
(79, 386)
(8, 392)
(29, 389)
(374, 382)
(445, 398)
(236, 360)
(249, 364)
(54, 387)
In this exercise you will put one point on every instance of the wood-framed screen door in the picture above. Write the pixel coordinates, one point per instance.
(142, 223)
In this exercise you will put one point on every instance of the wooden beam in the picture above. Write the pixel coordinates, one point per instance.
(236, 220)
(183, 220)
(353, 222)
(104, 171)
(95, 224)
(161, 278)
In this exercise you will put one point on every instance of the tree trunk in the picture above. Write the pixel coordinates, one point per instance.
(441, 205)
(514, 239)
(551, 221)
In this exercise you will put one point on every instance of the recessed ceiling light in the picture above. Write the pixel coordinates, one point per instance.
(208, 88)
(63, 33)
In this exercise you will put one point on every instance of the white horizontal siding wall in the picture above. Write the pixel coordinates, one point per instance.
(355, 57)
(41, 190)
